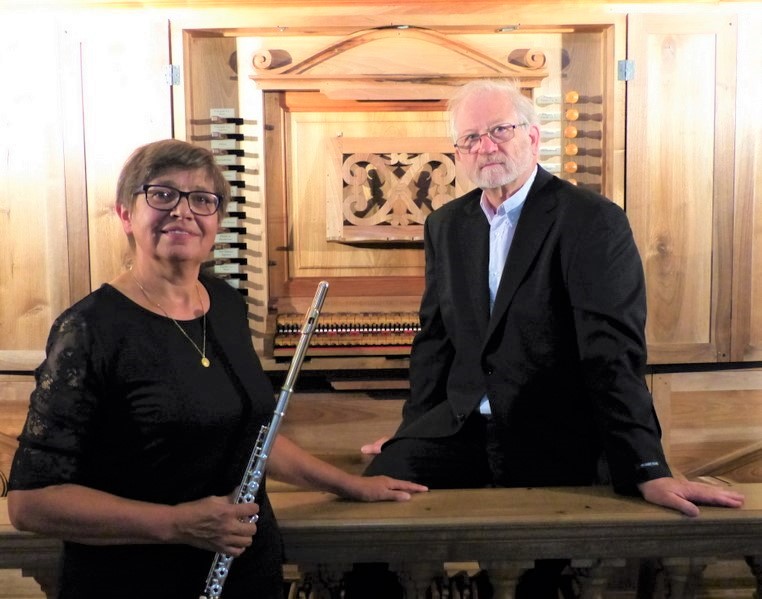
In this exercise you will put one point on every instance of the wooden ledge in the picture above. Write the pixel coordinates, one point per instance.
(499, 528)
(486, 524)
(475, 524)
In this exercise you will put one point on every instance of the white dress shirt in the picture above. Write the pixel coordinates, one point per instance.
(502, 226)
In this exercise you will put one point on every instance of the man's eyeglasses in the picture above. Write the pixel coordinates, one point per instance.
(499, 134)
(165, 198)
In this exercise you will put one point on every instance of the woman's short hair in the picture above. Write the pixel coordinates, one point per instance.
(151, 160)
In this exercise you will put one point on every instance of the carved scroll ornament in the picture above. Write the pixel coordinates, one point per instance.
(396, 191)
(385, 195)
(375, 65)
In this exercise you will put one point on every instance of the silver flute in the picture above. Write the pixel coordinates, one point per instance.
(255, 469)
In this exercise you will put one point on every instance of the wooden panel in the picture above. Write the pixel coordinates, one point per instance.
(34, 246)
(126, 104)
(80, 84)
(680, 179)
(208, 59)
(747, 271)
(715, 422)
(316, 183)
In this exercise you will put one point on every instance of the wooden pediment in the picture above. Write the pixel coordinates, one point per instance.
(394, 63)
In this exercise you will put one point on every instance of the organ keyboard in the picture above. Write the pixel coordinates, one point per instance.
(378, 333)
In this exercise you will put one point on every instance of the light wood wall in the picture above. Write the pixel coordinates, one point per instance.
(84, 95)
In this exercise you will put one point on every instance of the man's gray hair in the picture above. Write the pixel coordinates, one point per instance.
(524, 106)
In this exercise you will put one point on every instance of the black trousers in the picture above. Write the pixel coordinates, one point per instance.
(467, 460)
(471, 459)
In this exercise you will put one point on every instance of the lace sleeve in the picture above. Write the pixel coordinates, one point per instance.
(61, 409)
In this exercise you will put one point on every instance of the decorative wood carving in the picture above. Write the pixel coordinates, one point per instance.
(387, 192)
(376, 64)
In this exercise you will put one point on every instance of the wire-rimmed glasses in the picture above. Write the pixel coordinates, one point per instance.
(499, 134)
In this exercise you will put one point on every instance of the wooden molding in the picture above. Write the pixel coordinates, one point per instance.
(375, 64)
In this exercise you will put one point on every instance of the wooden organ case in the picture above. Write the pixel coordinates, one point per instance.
(349, 151)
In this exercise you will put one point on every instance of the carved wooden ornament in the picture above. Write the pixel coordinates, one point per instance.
(376, 64)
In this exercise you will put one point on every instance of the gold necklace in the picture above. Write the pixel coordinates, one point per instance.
(201, 351)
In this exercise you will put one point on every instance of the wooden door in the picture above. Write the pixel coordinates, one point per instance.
(127, 102)
(680, 165)
(36, 253)
(77, 98)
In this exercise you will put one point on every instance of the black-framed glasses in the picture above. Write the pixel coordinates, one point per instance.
(499, 134)
(165, 198)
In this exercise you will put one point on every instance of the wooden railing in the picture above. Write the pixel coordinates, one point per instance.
(503, 530)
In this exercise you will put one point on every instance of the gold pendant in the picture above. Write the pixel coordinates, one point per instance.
(205, 362)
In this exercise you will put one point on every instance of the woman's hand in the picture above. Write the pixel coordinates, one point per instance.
(380, 488)
(216, 524)
(291, 464)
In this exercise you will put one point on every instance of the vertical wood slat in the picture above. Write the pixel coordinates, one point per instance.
(747, 248)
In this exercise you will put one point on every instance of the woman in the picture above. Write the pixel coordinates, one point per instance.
(147, 406)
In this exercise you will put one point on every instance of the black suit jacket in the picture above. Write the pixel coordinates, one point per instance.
(562, 355)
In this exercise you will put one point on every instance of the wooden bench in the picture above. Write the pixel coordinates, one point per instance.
(503, 530)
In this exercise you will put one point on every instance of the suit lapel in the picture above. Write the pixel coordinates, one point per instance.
(537, 216)
(474, 250)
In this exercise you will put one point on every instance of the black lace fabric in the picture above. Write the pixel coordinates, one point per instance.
(59, 407)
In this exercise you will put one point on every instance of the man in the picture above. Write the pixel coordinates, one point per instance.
(528, 369)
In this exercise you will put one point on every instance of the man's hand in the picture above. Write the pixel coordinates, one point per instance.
(375, 447)
(683, 495)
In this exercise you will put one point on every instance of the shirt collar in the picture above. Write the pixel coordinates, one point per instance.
(511, 203)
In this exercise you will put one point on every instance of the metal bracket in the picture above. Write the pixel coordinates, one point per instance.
(172, 74)
(626, 70)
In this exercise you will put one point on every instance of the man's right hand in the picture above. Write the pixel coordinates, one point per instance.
(375, 447)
